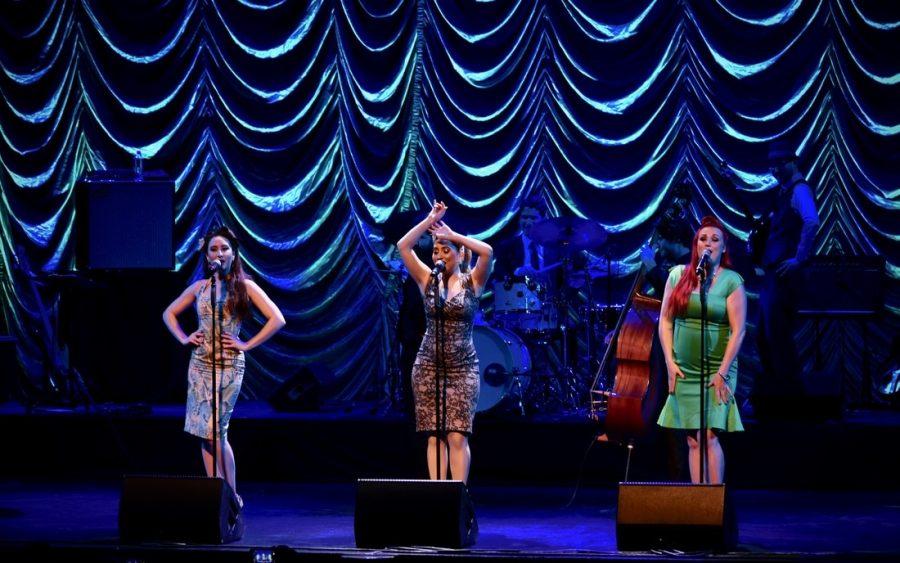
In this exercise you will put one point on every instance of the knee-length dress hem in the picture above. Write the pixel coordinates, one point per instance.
(229, 372)
(682, 408)
(460, 360)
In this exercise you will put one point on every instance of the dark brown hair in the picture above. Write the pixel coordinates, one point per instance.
(238, 302)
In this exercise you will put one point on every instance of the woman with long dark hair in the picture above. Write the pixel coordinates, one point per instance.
(680, 335)
(235, 291)
(459, 287)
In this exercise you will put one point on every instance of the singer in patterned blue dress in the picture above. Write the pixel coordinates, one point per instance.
(235, 292)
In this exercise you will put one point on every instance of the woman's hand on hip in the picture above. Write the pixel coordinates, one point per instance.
(231, 342)
(196, 338)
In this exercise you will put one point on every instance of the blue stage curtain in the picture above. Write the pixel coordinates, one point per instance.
(307, 126)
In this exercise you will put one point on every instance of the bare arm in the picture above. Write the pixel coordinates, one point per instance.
(737, 321)
(667, 337)
(482, 270)
(416, 268)
(175, 308)
(274, 318)
(736, 306)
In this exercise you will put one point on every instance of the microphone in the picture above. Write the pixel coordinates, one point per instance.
(439, 267)
(703, 264)
(215, 265)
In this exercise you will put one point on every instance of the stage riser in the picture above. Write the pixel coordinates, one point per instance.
(331, 449)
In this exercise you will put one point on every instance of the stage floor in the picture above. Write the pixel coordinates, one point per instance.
(341, 443)
(314, 521)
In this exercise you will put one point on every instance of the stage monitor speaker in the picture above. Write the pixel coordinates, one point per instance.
(300, 392)
(674, 516)
(845, 286)
(122, 223)
(407, 512)
(179, 509)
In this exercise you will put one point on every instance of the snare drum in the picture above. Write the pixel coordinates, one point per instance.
(518, 298)
(502, 358)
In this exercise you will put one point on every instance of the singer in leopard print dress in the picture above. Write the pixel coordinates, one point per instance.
(455, 363)
(451, 358)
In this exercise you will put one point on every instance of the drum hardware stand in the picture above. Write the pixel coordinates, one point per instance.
(63, 383)
(517, 381)
(568, 379)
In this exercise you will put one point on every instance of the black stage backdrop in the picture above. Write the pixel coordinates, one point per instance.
(307, 126)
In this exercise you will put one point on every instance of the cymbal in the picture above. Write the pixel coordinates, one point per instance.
(577, 233)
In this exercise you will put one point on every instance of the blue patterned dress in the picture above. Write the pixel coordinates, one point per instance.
(229, 370)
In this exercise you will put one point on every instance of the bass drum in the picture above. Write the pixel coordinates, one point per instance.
(504, 363)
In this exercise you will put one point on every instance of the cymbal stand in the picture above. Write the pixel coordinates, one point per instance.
(589, 319)
(569, 382)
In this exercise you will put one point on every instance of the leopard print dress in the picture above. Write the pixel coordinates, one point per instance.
(458, 361)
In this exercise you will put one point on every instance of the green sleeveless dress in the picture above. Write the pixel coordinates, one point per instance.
(682, 408)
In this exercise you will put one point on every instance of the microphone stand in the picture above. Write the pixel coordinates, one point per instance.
(704, 371)
(440, 375)
(215, 394)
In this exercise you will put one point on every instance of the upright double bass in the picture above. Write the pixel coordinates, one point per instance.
(630, 403)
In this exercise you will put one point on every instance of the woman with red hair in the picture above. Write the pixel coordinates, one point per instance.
(680, 335)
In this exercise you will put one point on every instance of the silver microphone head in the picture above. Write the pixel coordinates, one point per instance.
(703, 263)
(215, 264)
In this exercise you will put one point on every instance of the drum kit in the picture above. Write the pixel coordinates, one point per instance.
(538, 346)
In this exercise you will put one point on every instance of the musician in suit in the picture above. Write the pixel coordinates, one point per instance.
(521, 258)
(520, 255)
(792, 230)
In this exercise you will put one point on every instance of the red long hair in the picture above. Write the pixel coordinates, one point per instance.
(681, 294)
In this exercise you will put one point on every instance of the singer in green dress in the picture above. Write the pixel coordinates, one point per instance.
(680, 335)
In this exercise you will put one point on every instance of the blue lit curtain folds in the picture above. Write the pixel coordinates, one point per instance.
(307, 126)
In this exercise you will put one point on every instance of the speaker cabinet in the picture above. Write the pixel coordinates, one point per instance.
(300, 392)
(122, 223)
(180, 509)
(407, 512)
(674, 516)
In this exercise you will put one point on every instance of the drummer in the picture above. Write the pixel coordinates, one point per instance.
(521, 256)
